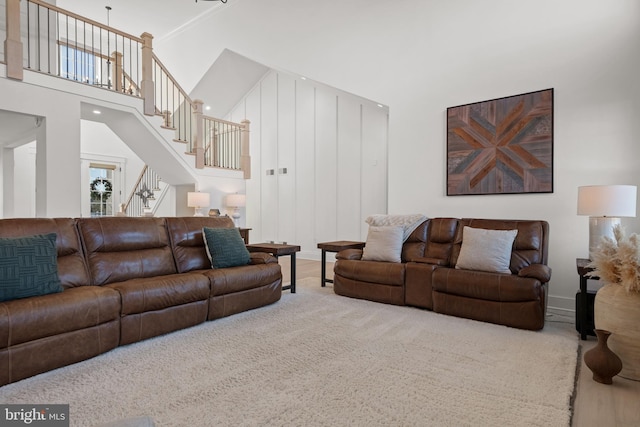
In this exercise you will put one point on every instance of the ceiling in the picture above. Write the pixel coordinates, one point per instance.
(157, 17)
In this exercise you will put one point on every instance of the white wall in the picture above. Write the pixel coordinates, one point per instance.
(58, 144)
(24, 195)
(333, 146)
(420, 57)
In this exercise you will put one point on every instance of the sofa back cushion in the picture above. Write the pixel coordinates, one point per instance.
(185, 234)
(123, 248)
(72, 270)
(440, 238)
(415, 244)
(530, 246)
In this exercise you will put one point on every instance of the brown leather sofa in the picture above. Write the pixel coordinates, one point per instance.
(124, 280)
(427, 277)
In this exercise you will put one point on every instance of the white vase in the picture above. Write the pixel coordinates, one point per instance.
(618, 312)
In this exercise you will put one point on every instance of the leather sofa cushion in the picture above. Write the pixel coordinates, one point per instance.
(120, 249)
(157, 293)
(485, 286)
(414, 246)
(72, 270)
(185, 234)
(45, 316)
(384, 273)
(237, 279)
(442, 232)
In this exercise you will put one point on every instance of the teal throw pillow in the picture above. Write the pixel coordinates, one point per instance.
(28, 267)
(225, 247)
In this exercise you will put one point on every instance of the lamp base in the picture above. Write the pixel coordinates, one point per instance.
(198, 212)
(599, 227)
(236, 216)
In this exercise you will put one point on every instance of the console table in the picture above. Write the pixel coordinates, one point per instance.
(336, 246)
(584, 310)
(278, 250)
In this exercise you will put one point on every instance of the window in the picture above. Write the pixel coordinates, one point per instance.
(78, 65)
(101, 190)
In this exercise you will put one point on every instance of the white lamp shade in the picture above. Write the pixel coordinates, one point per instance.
(236, 200)
(607, 200)
(197, 199)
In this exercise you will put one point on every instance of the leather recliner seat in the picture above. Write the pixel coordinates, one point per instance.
(427, 277)
(124, 280)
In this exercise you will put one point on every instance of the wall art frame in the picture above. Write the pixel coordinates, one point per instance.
(501, 146)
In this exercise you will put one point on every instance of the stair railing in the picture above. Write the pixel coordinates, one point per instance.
(64, 44)
(173, 104)
(61, 43)
(145, 189)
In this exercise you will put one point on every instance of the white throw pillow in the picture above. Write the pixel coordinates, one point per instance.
(383, 244)
(486, 250)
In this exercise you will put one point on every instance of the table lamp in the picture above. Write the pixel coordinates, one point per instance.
(236, 201)
(197, 200)
(605, 204)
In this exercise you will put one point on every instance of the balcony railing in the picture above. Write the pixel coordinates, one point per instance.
(64, 44)
(47, 39)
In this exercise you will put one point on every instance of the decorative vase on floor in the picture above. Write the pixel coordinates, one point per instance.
(603, 362)
(618, 311)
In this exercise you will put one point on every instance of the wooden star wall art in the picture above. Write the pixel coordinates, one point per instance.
(501, 146)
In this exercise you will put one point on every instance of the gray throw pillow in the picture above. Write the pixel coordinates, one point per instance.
(28, 266)
(486, 250)
(225, 247)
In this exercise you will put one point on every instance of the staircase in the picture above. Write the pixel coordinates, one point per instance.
(156, 118)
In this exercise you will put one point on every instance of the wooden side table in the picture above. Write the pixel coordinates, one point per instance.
(278, 250)
(244, 233)
(336, 246)
(583, 308)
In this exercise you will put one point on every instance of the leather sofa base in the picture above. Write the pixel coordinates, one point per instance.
(35, 357)
(388, 294)
(237, 302)
(520, 314)
(140, 326)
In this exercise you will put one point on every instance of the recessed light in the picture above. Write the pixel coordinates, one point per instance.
(208, 107)
(97, 112)
(380, 105)
(303, 78)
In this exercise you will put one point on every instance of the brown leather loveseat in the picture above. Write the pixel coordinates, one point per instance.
(427, 277)
(124, 280)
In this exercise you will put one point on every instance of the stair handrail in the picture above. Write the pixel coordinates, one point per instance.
(174, 105)
(217, 135)
(83, 19)
(115, 50)
(185, 116)
(135, 186)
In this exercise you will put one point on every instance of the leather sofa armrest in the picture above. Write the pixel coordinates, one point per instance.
(434, 261)
(261, 258)
(350, 254)
(537, 271)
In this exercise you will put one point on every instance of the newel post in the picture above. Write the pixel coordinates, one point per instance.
(147, 86)
(13, 43)
(245, 156)
(198, 138)
(117, 70)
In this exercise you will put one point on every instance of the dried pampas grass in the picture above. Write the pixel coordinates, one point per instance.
(618, 261)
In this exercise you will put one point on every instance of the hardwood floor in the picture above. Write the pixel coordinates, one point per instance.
(595, 404)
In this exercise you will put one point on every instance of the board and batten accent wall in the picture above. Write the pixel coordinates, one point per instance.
(319, 162)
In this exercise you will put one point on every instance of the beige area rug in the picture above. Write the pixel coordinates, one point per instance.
(318, 359)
